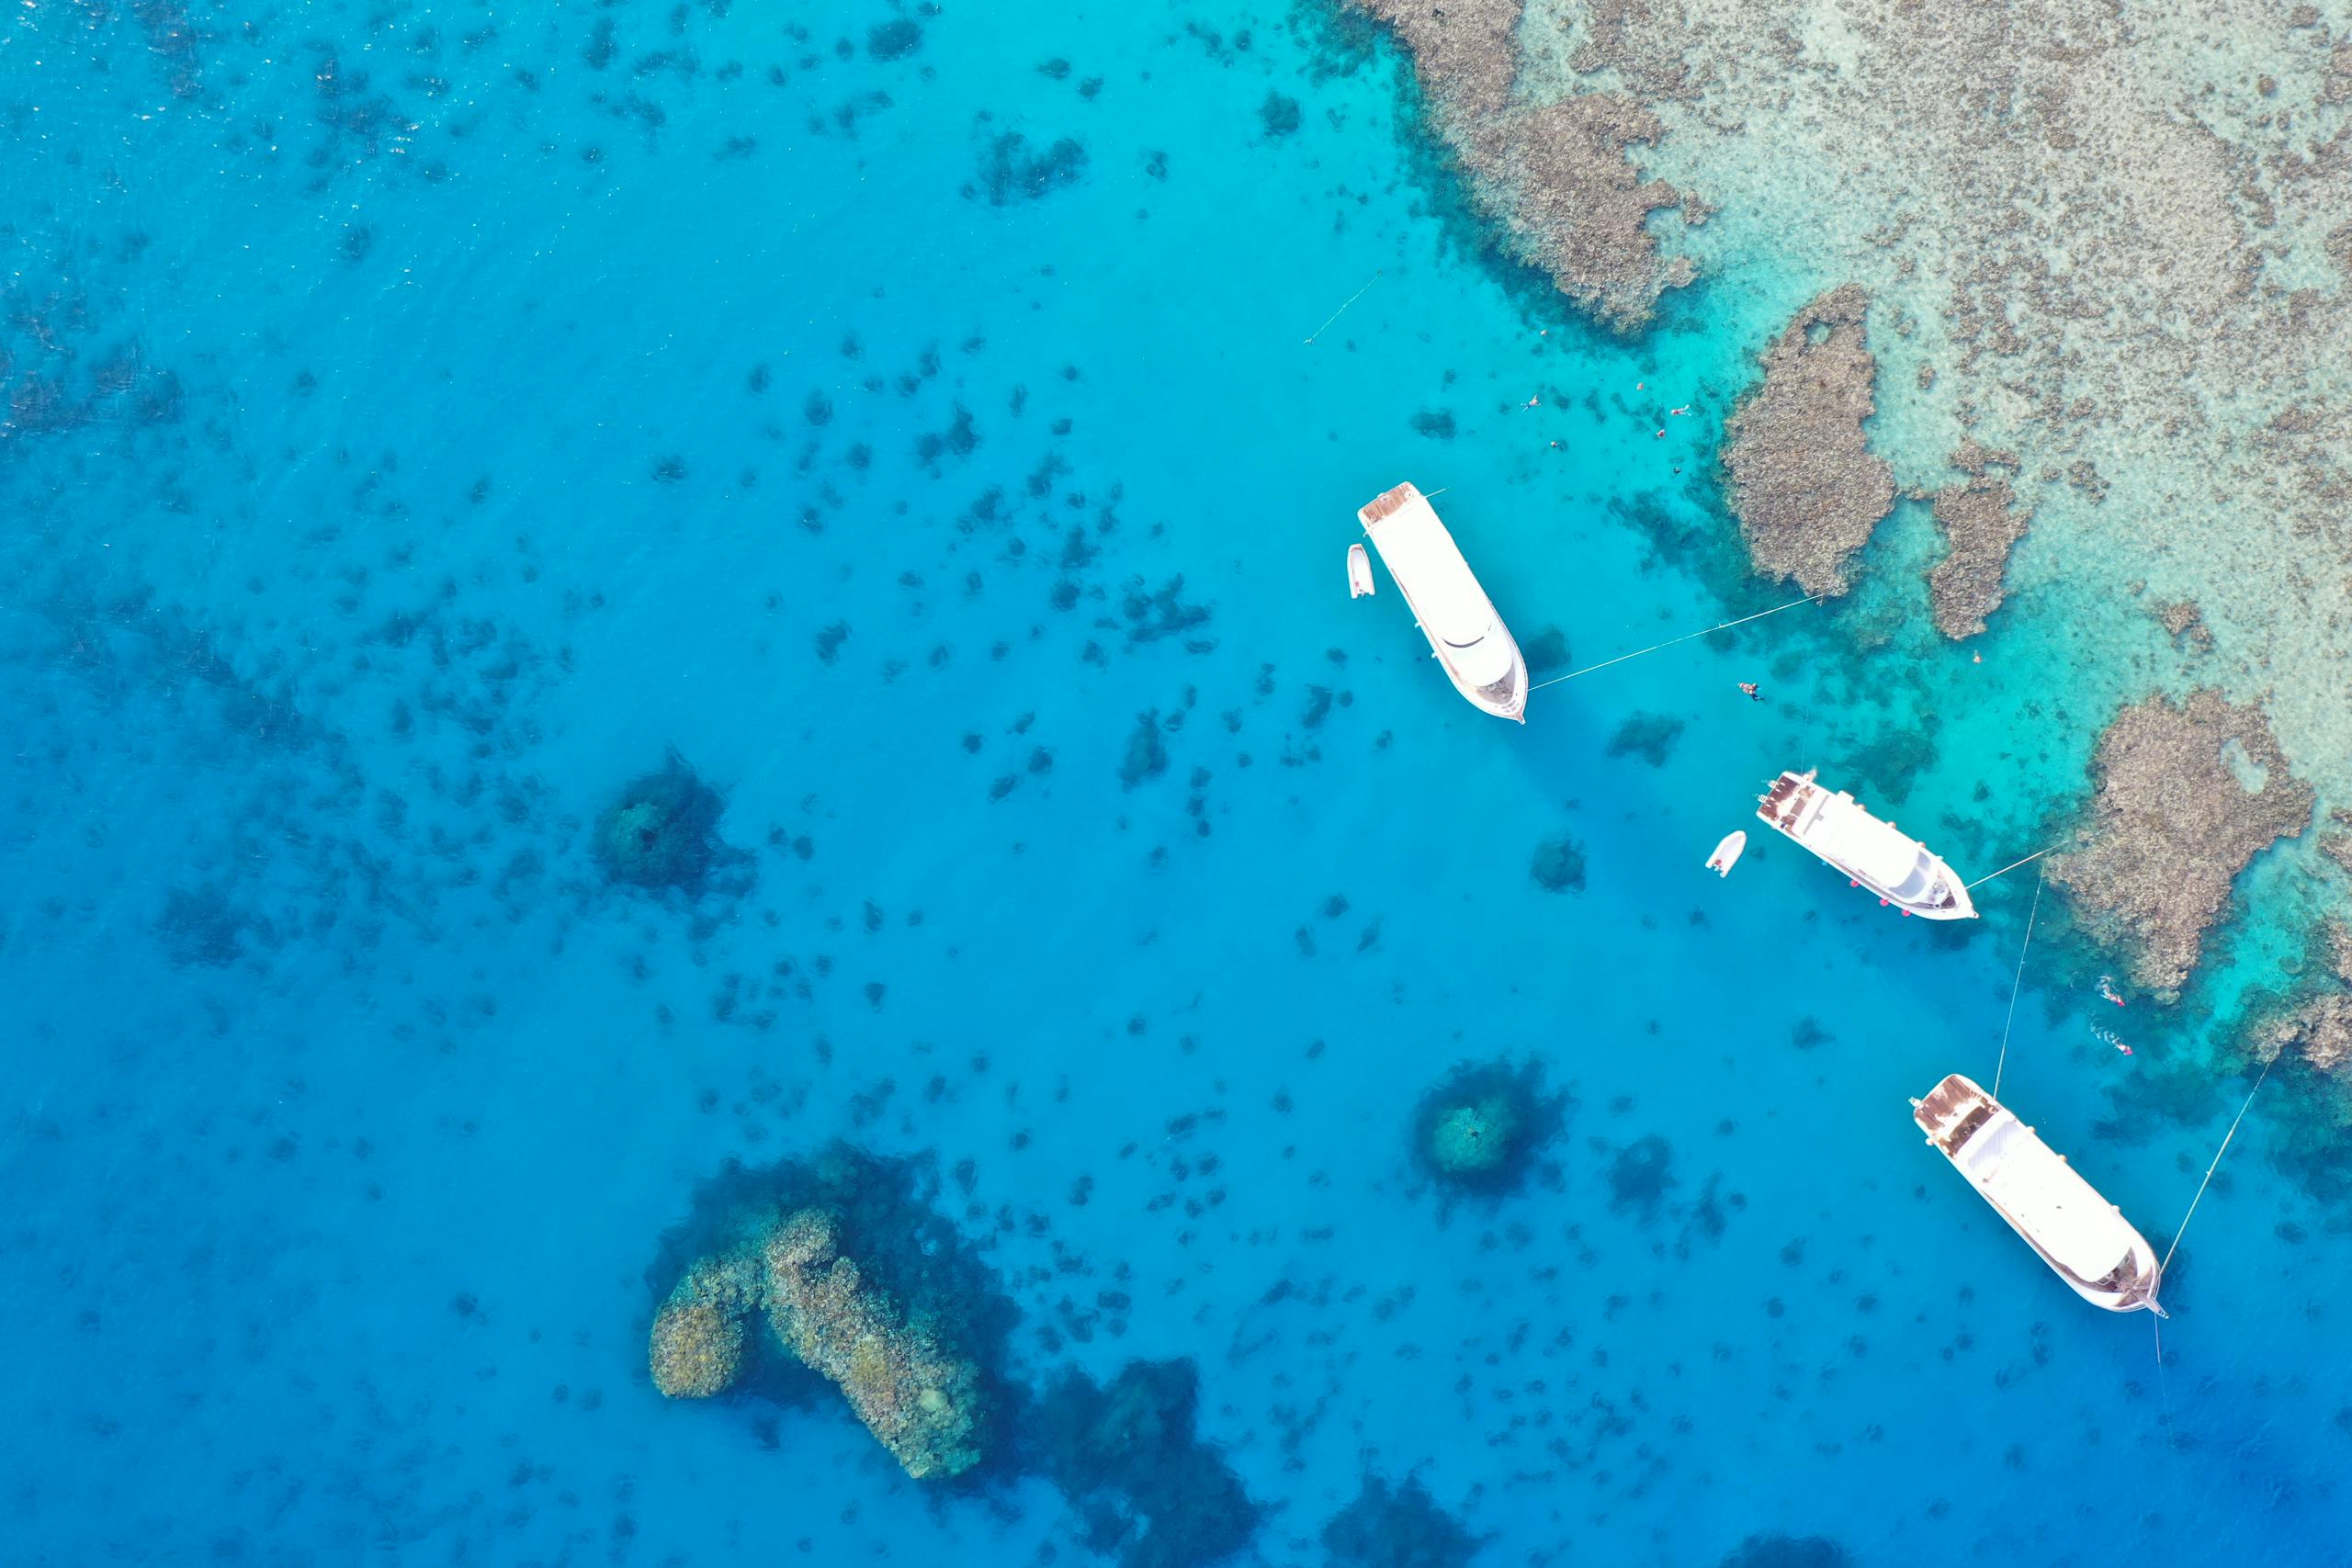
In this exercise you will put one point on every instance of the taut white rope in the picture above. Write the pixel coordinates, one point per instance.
(2015, 981)
(2012, 866)
(1344, 309)
(1686, 636)
(2214, 1167)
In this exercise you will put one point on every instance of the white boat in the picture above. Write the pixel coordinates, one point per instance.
(2078, 1233)
(1464, 633)
(1360, 582)
(1727, 853)
(1900, 869)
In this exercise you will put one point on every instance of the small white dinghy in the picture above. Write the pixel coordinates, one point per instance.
(1359, 583)
(1727, 853)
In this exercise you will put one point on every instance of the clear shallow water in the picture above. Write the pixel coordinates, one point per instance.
(667, 405)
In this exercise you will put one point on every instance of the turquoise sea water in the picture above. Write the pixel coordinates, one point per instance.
(424, 422)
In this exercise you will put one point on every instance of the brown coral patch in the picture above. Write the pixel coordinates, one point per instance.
(1804, 485)
(1466, 52)
(1981, 522)
(1556, 176)
(1575, 206)
(2173, 823)
(696, 1351)
(919, 1399)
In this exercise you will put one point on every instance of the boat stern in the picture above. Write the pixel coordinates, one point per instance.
(1953, 1112)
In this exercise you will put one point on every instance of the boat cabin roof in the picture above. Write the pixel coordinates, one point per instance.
(1879, 851)
(2064, 1214)
(1445, 593)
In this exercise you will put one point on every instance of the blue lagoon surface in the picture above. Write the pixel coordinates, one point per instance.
(921, 439)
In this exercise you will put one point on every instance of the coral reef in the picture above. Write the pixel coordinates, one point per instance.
(1399, 1527)
(2182, 358)
(2317, 1025)
(2184, 621)
(1558, 865)
(1557, 175)
(1481, 1127)
(701, 1337)
(1806, 489)
(2187, 794)
(919, 1400)
(663, 832)
(1465, 52)
(1575, 206)
(863, 1286)
(1981, 522)
(1649, 736)
(1789, 1552)
(1151, 1492)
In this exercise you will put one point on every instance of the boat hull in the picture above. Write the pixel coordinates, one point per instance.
(1727, 853)
(1440, 589)
(2083, 1239)
(1832, 828)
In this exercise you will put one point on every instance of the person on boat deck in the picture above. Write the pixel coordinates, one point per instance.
(1753, 694)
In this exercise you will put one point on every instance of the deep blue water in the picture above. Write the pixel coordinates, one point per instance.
(424, 421)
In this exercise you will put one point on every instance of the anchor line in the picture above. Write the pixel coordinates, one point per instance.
(1810, 599)
(2215, 1165)
(1344, 309)
(2012, 866)
(2015, 982)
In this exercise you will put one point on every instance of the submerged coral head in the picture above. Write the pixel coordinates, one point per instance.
(1474, 1137)
(1480, 1128)
(663, 832)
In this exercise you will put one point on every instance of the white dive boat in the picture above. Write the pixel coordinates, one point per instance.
(1360, 582)
(1727, 853)
(1465, 634)
(2078, 1233)
(1900, 869)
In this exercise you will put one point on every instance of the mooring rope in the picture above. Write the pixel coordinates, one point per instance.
(2214, 1167)
(2010, 867)
(1809, 599)
(2015, 982)
(1344, 309)
(2164, 1389)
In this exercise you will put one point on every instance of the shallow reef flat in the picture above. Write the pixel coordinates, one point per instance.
(2098, 259)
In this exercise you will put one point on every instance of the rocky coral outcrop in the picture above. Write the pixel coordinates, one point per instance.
(1980, 520)
(2187, 794)
(697, 1351)
(920, 1399)
(1806, 489)
(701, 1337)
